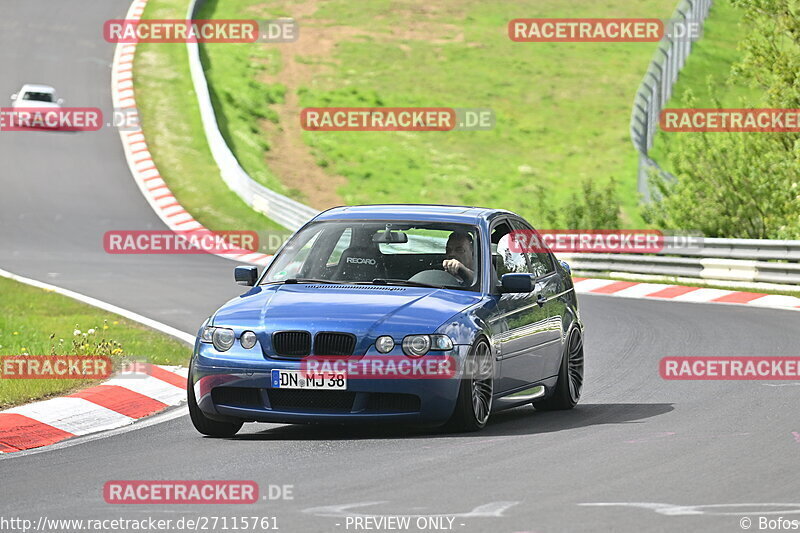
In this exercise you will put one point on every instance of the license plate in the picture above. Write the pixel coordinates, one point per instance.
(298, 379)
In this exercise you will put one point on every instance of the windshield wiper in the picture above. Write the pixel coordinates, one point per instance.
(310, 280)
(292, 281)
(386, 281)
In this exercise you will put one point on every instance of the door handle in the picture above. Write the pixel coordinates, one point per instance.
(541, 300)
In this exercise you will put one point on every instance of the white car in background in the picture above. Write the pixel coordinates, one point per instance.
(39, 96)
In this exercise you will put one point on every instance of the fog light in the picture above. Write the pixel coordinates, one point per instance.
(248, 339)
(384, 344)
(223, 339)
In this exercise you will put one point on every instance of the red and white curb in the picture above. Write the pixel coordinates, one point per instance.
(682, 293)
(115, 403)
(140, 160)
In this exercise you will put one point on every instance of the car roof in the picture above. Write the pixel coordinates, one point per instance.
(417, 212)
(34, 88)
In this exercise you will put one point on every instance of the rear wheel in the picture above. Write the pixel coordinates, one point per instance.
(570, 377)
(474, 402)
(202, 423)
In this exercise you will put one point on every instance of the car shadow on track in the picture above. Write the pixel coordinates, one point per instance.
(519, 421)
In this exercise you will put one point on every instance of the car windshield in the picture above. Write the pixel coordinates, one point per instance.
(424, 254)
(38, 97)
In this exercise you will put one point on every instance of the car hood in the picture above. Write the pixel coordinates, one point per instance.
(365, 310)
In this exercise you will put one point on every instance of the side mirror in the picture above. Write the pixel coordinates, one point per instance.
(246, 275)
(516, 283)
(60, 101)
(566, 267)
(14, 96)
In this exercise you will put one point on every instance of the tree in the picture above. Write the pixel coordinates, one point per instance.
(743, 185)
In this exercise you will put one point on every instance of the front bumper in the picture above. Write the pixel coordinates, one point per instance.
(228, 387)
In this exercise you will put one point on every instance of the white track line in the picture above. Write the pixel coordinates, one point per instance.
(130, 315)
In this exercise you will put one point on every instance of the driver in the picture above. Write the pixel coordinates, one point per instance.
(459, 254)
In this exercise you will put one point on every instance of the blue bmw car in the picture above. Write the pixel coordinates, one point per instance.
(421, 314)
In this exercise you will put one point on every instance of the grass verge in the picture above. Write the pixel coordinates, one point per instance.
(171, 122)
(35, 321)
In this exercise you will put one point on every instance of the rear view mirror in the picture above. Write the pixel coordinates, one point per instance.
(60, 101)
(14, 96)
(566, 267)
(245, 275)
(390, 237)
(516, 283)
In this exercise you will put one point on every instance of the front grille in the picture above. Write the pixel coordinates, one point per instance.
(326, 343)
(291, 343)
(316, 400)
(386, 402)
(237, 396)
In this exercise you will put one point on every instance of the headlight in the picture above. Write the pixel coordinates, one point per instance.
(205, 336)
(416, 345)
(384, 344)
(419, 345)
(248, 339)
(223, 338)
(441, 342)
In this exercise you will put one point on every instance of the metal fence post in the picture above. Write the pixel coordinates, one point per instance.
(657, 85)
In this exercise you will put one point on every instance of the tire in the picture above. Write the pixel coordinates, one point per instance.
(474, 403)
(569, 386)
(202, 423)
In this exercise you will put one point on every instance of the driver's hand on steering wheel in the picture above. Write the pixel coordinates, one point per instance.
(453, 267)
(456, 268)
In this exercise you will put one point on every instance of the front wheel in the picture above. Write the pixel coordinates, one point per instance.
(474, 402)
(202, 423)
(570, 377)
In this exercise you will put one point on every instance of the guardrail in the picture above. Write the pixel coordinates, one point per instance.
(656, 89)
(285, 211)
(737, 260)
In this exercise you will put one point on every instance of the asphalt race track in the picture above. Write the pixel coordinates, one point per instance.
(706, 451)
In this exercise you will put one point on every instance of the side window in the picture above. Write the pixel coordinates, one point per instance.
(341, 245)
(504, 259)
(540, 262)
(511, 261)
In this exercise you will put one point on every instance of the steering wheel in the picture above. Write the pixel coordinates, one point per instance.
(436, 277)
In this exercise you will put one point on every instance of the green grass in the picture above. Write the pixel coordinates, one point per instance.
(28, 318)
(709, 63)
(171, 122)
(562, 109)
